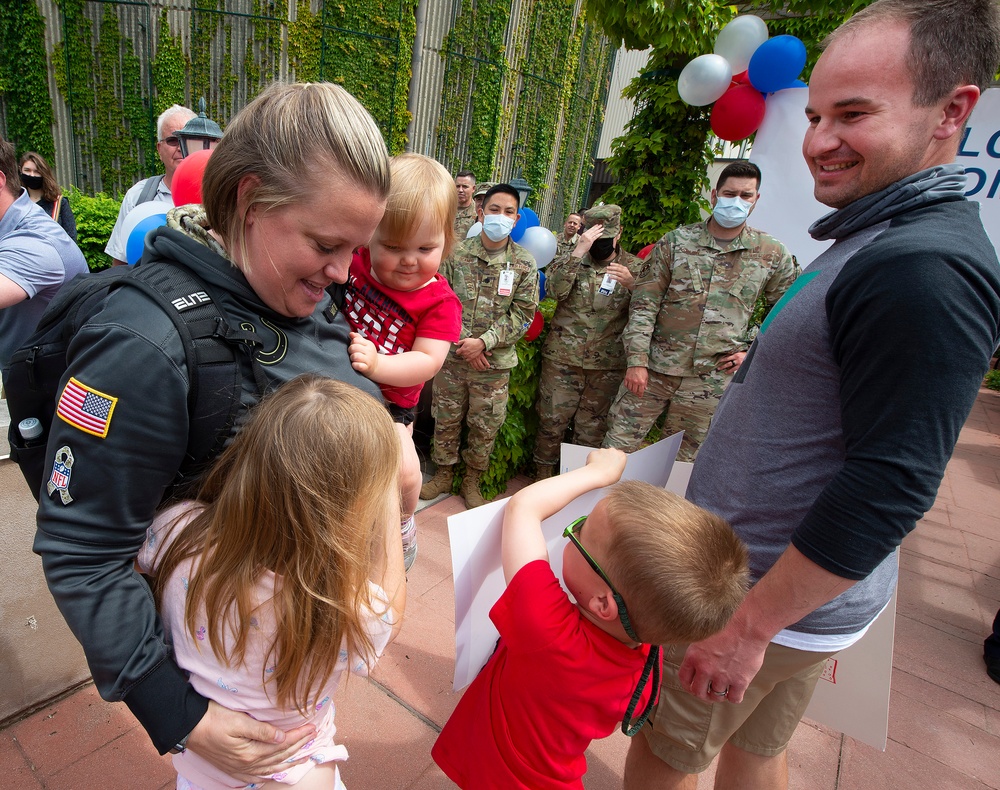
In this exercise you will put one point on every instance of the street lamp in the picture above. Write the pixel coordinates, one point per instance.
(200, 133)
(523, 188)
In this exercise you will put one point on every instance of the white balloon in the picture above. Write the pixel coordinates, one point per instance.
(704, 80)
(148, 209)
(541, 243)
(739, 40)
(475, 230)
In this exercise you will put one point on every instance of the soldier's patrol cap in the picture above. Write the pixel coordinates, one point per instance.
(607, 214)
(482, 188)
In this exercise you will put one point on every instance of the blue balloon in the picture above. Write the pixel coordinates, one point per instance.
(137, 238)
(777, 63)
(529, 219)
(541, 285)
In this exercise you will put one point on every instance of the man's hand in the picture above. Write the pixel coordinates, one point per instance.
(720, 668)
(363, 354)
(243, 747)
(636, 380)
(621, 274)
(730, 363)
(608, 463)
(482, 362)
(469, 348)
(586, 239)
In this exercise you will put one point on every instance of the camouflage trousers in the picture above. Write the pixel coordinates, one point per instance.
(690, 402)
(475, 397)
(571, 394)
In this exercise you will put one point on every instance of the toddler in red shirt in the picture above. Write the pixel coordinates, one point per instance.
(645, 568)
(403, 314)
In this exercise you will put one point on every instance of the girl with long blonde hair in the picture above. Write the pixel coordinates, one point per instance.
(287, 570)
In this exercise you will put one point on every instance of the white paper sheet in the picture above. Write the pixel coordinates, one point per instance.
(475, 551)
(852, 696)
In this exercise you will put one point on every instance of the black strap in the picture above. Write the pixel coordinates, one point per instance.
(210, 347)
(630, 727)
(149, 190)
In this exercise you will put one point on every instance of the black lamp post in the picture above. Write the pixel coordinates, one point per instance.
(200, 133)
(523, 188)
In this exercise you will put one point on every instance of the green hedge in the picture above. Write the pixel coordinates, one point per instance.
(95, 218)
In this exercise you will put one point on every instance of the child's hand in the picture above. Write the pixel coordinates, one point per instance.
(363, 354)
(608, 463)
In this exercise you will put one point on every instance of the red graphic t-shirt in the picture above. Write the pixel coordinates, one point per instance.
(393, 319)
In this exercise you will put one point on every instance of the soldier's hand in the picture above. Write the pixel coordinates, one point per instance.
(469, 348)
(480, 362)
(363, 354)
(586, 239)
(621, 274)
(731, 362)
(636, 380)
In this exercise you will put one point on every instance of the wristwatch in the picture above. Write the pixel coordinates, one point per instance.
(181, 745)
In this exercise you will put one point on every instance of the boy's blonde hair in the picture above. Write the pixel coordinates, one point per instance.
(301, 491)
(681, 570)
(420, 187)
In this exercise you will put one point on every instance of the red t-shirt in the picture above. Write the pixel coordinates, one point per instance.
(393, 319)
(555, 682)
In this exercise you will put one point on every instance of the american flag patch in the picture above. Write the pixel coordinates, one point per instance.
(86, 408)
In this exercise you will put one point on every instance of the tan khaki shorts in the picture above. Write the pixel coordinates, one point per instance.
(687, 733)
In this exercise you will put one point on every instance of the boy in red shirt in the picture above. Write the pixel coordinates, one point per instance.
(564, 674)
(404, 314)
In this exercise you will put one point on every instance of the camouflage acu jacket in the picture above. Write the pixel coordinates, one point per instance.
(498, 319)
(565, 246)
(465, 218)
(693, 299)
(586, 330)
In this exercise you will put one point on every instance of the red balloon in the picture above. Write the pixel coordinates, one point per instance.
(535, 328)
(738, 113)
(645, 251)
(743, 78)
(186, 184)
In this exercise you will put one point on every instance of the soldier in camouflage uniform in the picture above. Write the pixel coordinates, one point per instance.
(480, 192)
(582, 360)
(497, 282)
(570, 235)
(687, 332)
(465, 217)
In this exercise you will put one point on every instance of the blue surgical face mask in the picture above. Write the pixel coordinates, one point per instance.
(731, 212)
(497, 227)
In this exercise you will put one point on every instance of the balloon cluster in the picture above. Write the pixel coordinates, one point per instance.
(185, 188)
(746, 64)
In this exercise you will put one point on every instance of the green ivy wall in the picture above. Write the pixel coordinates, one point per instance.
(82, 81)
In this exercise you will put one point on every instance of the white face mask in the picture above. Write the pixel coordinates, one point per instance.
(731, 212)
(497, 227)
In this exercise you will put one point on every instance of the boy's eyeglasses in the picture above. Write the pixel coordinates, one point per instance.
(172, 141)
(629, 727)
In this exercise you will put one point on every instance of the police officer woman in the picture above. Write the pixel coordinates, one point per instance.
(297, 182)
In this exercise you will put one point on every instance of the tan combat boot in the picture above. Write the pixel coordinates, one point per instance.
(544, 471)
(440, 483)
(470, 488)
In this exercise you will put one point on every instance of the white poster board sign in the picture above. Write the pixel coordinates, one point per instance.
(852, 696)
(475, 551)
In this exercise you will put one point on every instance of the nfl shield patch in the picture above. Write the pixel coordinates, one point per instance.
(62, 470)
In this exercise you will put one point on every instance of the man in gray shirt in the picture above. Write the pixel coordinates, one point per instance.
(36, 258)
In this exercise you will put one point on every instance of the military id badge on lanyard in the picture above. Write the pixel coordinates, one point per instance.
(505, 286)
(607, 285)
